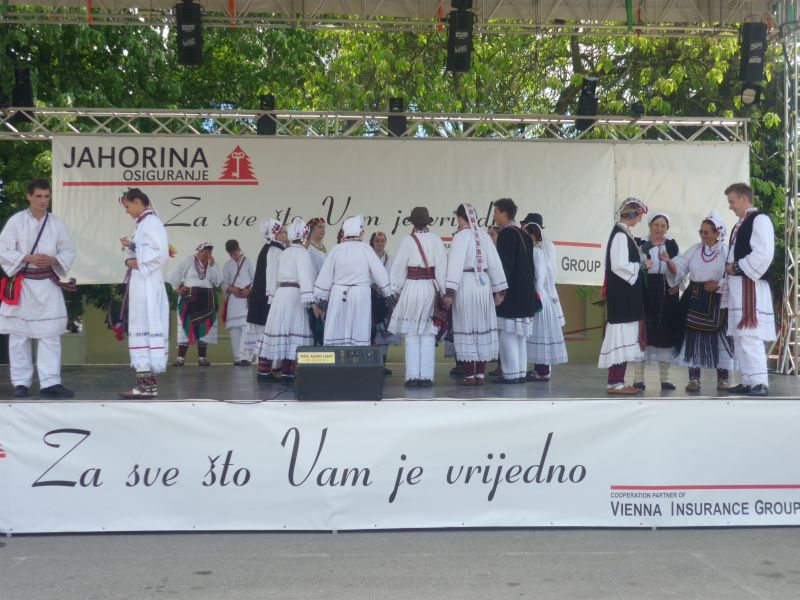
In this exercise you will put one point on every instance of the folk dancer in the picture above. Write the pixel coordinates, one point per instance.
(195, 279)
(35, 250)
(292, 293)
(625, 337)
(546, 346)
(661, 310)
(751, 319)
(258, 300)
(237, 282)
(146, 301)
(702, 340)
(344, 283)
(515, 313)
(418, 274)
(318, 251)
(379, 334)
(475, 285)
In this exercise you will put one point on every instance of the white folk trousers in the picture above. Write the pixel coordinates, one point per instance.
(513, 355)
(751, 356)
(420, 356)
(48, 360)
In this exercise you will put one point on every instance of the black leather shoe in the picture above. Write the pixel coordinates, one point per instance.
(759, 390)
(639, 385)
(386, 371)
(56, 391)
(425, 383)
(20, 391)
(412, 383)
(666, 385)
(739, 389)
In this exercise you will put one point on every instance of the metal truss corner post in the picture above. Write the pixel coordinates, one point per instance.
(788, 345)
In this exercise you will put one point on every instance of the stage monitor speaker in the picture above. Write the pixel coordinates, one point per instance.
(753, 46)
(189, 34)
(459, 40)
(398, 124)
(339, 373)
(266, 125)
(21, 94)
(587, 103)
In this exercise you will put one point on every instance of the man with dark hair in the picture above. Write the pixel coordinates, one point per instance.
(746, 293)
(515, 313)
(35, 252)
(237, 280)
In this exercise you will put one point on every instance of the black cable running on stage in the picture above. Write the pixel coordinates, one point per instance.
(275, 397)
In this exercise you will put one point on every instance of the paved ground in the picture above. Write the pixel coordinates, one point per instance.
(459, 565)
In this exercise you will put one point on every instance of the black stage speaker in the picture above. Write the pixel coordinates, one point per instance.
(459, 40)
(753, 46)
(587, 103)
(266, 125)
(339, 373)
(397, 125)
(189, 20)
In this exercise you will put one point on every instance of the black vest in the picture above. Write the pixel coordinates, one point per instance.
(257, 306)
(625, 301)
(741, 247)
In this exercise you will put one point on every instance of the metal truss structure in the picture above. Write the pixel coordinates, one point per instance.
(682, 18)
(39, 124)
(787, 350)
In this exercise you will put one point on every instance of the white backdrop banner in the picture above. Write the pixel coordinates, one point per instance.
(334, 466)
(214, 188)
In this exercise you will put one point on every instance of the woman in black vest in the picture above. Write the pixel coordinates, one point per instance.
(661, 309)
(625, 337)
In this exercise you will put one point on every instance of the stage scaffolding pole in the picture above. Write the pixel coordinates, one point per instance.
(788, 345)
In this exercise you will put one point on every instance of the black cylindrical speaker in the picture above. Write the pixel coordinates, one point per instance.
(753, 46)
(459, 40)
(266, 125)
(189, 21)
(398, 124)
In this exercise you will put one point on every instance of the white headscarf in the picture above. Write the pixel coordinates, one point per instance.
(472, 218)
(353, 227)
(298, 230)
(719, 224)
(202, 246)
(270, 228)
(656, 214)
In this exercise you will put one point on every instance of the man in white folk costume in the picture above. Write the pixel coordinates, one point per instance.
(237, 281)
(344, 284)
(35, 251)
(195, 278)
(146, 304)
(746, 294)
(418, 273)
(475, 285)
(291, 290)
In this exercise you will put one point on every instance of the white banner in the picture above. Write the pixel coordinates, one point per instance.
(214, 188)
(381, 465)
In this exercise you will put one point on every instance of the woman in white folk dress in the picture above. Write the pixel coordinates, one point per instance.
(287, 323)
(146, 295)
(475, 284)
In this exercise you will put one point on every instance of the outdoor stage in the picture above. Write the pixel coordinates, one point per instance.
(241, 384)
(220, 450)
